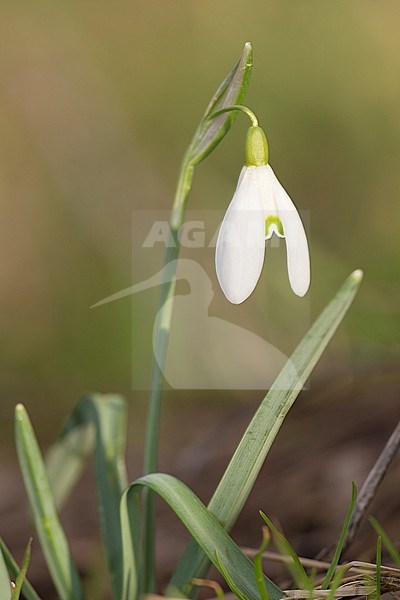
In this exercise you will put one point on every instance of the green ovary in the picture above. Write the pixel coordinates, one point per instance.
(273, 224)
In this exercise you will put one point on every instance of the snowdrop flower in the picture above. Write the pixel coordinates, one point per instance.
(260, 208)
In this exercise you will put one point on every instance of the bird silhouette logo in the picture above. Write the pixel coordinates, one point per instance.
(206, 352)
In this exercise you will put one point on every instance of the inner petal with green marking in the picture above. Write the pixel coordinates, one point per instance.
(273, 224)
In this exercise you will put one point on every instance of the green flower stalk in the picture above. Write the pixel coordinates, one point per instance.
(207, 136)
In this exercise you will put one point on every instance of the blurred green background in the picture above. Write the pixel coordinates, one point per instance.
(98, 101)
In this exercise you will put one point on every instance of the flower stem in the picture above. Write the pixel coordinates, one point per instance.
(241, 107)
(162, 330)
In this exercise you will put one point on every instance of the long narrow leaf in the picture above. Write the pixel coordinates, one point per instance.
(97, 423)
(228, 578)
(386, 541)
(336, 581)
(19, 581)
(258, 565)
(50, 532)
(202, 525)
(5, 583)
(342, 538)
(285, 549)
(27, 589)
(242, 471)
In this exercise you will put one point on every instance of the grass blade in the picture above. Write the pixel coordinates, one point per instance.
(286, 549)
(241, 473)
(336, 581)
(203, 527)
(28, 591)
(50, 532)
(386, 541)
(5, 583)
(22, 574)
(258, 568)
(342, 539)
(98, 423)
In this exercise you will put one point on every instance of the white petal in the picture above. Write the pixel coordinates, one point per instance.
(266, 179)
(298, 259)
(266, 182)
(240, 247)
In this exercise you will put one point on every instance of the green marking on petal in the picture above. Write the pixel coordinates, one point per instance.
(273, 224)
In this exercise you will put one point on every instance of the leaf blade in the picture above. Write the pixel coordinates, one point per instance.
(201, 524)
(227, 576)
(22, 574)
(387, 542)
(97, 423)
(342, 538)
(50, 532)
(286, 549)
(5, 583)
(27, 589)
(258, 566)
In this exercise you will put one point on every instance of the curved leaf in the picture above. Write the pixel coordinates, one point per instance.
(98, 423)
(5, 583)
(20, 579)
(27, 590)
(50, 532)
(342, 539)
(205, 529)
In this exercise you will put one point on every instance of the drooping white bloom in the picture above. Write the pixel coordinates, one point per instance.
(260, 207)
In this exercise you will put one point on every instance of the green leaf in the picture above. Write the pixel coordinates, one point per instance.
(98, 422)
(27, 589)
(342, 538)
(258, 568)
(22, 574)
(203, 527)
(242, 471)
(5, 583)
(336, 581)
(285, 549)
(231, 91)
(50, 532)
(386, 541)
(227, 576)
